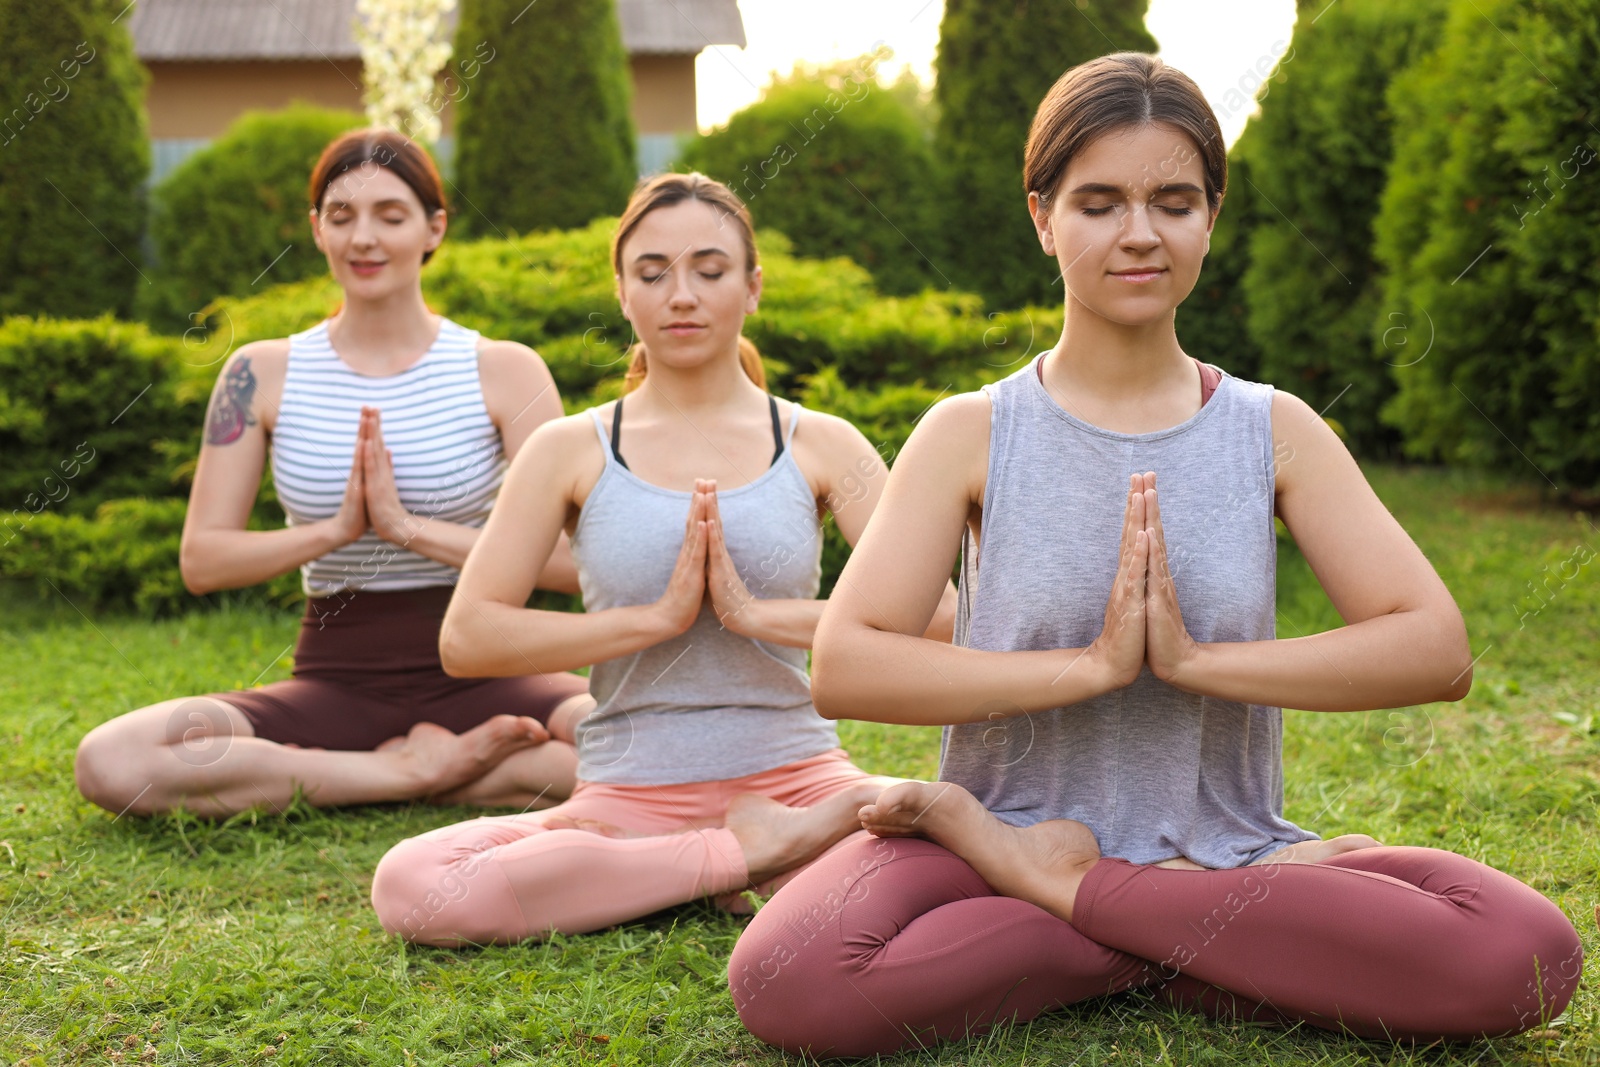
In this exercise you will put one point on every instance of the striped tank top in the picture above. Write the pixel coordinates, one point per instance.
(448, 457)
(708, 704)
(1154, 771)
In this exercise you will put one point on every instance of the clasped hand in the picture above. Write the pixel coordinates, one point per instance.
(371, 499)
(705, 572)
(1143, 624)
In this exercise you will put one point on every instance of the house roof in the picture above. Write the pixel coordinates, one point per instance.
(312, 29)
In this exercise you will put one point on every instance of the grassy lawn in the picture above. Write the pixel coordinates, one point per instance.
(175, 941)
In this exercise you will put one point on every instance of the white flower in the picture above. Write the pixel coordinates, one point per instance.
(400, 54)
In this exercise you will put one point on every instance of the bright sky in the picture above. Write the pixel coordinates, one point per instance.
(1221, 44)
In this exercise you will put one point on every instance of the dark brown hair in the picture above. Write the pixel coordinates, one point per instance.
(665, 190)
(393, 151)
(1115, 92)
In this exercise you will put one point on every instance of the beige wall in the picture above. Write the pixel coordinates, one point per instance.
(199, 100)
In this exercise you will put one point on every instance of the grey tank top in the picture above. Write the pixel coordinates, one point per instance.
(708, 704)
(1155, 772)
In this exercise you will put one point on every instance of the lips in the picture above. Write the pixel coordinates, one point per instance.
(1138, 274)
(366, 266)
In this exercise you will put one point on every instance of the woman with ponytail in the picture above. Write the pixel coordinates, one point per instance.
(693, 507)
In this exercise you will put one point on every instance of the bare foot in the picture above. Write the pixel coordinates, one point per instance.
(438, 761)
(777, 838)
(1317, 851)
(1042, 864)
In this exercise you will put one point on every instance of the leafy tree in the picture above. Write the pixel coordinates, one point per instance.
(838, 163)
(73, 157)
(996, 62)
(545, 139)
(1488, 238)
(1319, 160)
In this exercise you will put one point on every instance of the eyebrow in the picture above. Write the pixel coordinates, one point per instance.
(333, 205)
(657, 257)
(1164, 187)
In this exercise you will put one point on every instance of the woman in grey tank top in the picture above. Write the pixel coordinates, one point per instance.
(693, 505)
(1110, 813)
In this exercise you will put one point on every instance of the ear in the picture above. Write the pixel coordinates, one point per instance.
(437, 224)
(753, 296)
(1041, 223)
(316, 230)
(622, 297)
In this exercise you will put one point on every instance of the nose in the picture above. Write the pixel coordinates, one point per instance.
(1137, 233)
(682, 294)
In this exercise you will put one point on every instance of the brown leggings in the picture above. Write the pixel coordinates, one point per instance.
(893, 944)
(366, 668)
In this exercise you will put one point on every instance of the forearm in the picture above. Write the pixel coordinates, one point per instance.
(438, 539)
(794, 622)
(1390, 661)
(231, 559)
(882, 676)
(782, 622)
(490, 639)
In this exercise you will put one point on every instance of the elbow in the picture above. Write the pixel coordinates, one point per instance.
(455, 658)
(825, 695)
(193, 580)
(1459, 684)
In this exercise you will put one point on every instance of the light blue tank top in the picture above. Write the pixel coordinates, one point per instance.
(708, 704)
(1154, 771)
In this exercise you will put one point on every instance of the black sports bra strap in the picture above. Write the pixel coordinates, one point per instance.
(616, 433)
(777, 429)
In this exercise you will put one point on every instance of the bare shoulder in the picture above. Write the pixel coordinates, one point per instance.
(249, 381)
(507, 357)
(1304, 445)
(955, 435)
(566, 450)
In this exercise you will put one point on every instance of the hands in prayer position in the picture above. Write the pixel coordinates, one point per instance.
(1143, 623)
(705, 572)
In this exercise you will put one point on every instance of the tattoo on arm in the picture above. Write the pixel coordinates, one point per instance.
(230, 405)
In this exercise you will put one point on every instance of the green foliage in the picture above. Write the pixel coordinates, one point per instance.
(125, 556)
(545, 140)
(1487, 236)
(233, 216)
(996, 62)
(73, 159)
(85, 409)
(838, 163)
(1318, 160)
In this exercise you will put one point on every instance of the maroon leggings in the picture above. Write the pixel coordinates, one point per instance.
(891, 944)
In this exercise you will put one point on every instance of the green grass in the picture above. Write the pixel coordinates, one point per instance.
(252, 941)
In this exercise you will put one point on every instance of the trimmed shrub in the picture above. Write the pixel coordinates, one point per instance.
(1487, 234)
(545, 140)
(86, 408)
(234, 217)
(839, 164)
(1319, 155)
(73, 159)
(996, 62)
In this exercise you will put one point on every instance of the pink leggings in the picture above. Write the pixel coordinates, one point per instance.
(890, 944)
(507, 878)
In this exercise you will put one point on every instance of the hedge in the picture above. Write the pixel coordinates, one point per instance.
(73, 159)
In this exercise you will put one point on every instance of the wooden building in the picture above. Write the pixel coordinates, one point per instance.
(210, 60)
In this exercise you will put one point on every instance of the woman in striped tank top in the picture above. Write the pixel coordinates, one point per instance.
(694, 520)
(388, 428)
(1110, 810)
